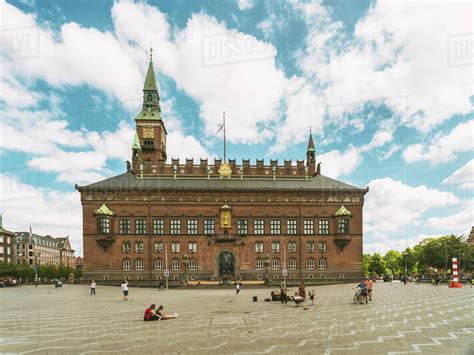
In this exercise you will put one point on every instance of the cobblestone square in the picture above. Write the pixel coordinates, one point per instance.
(401, 319)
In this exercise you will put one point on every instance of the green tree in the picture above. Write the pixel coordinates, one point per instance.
(394, 262)
(366, 264)
(377, 265)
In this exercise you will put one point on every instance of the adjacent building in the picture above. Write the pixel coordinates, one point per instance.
(6, 244)
(222, 219)
(34, 249)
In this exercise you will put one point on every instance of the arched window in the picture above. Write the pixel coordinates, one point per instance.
(310, 264)
(259, 264)
(275, 264)
(158, 264)
(126, 247)
(139, 247)
(139, 265)
(292, 264)
(310, 247)
(322, 247)
(322, 264)
(126, 265)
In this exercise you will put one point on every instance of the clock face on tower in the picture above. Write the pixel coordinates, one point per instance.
(148, 133)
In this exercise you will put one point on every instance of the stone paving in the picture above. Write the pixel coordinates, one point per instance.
(401, 320)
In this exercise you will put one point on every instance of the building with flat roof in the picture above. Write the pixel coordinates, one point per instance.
(218, 220)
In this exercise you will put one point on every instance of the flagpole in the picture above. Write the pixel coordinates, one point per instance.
(225, 155)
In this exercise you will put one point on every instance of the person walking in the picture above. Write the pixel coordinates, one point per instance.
(237, 288)
(283, 297)
(93, 286)
(125, 290)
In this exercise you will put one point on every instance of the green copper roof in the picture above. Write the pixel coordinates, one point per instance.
(104, 211)
(311, 147)
(343, 212)
(150, 83)
(149, 114)
(136, 142)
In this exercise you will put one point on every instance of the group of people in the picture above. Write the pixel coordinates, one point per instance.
(151, 314)
(299, 296)
(364, 289)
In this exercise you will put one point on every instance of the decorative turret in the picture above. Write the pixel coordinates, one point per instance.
(311, 155)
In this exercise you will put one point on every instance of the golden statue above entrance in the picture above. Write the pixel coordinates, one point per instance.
(225, 216)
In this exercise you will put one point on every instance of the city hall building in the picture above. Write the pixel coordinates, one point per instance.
(209, 221)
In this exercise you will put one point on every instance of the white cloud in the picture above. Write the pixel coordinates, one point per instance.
(335, 163)
(381, 243)
(246, 4)
(46, 211)
(443, 147)
(396, 53)
(457, 223)
(392, 205)
(464, 176)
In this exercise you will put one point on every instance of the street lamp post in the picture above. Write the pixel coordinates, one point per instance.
(186, 264)
(36, 267)
(405, 254)
(266, 262)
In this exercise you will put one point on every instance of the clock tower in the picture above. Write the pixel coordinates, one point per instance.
(149, 144)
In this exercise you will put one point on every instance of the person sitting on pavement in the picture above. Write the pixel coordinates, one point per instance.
(150, 314)
(165, 316)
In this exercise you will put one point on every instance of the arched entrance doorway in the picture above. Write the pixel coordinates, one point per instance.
(226, 263)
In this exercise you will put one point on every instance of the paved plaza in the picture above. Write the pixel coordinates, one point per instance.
(402, 319)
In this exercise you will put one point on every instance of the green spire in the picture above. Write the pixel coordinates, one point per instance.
(136, 142)
(150, 83)
(311, 147)
(151, 109)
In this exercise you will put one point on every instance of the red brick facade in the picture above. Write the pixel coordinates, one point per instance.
(125, 218)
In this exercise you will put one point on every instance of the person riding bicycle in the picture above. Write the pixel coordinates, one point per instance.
(362, 286)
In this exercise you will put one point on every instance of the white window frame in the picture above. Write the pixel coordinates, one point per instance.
(175, 265)
(158, 226)
(158, 247)
(310, 246)
(322, 247)
(175, 226)
(158, 264)
(275, 247)
(259, 247)
(308, 227)
(292, 226)
(259, 226)
(259, 264)
(139, 265)
(126, 265)
(209, 227)
(292, 264)
(192, 265)
(139, 247)
(175, 247)
(192, 226)
(192, 247)
(322, 264)
(310, 264)
(291, 247)
(275, 264)
(323, 226)
(275, 226)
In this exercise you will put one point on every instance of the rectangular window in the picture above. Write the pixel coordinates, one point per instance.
(124, 226)
(175, 247)
(126, 247)
(310, 247)
(275, 264)
(139, 265)
(175, 265)
(192, 226)
(158, 226)
(193, 265)
(310, 264)
(292, 264)
(158, 264)
(259, 247)
(242, 226)
(259, 264)
(308, 226)
(291, 226)
(323, 226)
(127, 265)
(259, 226)
(140, 226)
(175, 226)
(275, 226)
(158, 247)
(103, 225)
(139, 247)
(208, 226)
(275, 247)
(192, 247)
(291, 247)
(322, 264)
(343, 226)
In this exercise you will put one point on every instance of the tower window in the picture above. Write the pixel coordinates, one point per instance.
(148, 143)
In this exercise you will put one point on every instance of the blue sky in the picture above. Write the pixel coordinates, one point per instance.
(387, 88)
